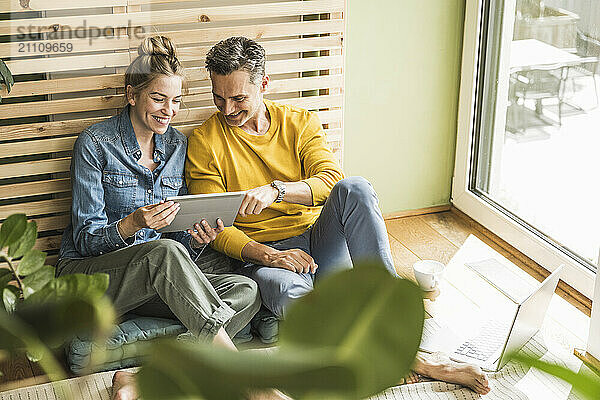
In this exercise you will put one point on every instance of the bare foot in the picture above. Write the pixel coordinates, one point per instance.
(412, 377)
(464, 374)
(124, 386)
(270, 394)
(449, 371)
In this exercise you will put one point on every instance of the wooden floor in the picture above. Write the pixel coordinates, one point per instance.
(439, 235)
(429, 236)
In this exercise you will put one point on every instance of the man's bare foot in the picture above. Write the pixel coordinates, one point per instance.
(464, 374)
(449, 371)
(412, 377)
(124, 386)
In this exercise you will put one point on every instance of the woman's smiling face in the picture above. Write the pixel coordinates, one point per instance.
(153, 108)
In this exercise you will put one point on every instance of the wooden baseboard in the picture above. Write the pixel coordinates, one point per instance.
(419, 211)
(564, 290)
(592, 362)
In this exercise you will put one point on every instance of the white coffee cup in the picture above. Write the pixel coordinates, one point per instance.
(428, 273)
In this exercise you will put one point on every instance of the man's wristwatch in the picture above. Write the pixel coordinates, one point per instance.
(280, 186)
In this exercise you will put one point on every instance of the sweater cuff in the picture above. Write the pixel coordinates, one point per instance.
(231, 242)
(319, 190)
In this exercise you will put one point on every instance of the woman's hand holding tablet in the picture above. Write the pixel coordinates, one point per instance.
(153, 216)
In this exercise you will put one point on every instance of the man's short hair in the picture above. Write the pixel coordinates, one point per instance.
(237, 53)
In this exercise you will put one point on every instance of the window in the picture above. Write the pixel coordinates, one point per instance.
(526, 162)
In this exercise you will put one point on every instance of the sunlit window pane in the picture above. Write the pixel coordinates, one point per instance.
(541, 162)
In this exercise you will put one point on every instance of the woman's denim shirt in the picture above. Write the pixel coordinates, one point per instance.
(108, 184)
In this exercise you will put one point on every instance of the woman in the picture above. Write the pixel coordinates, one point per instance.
(121, 171)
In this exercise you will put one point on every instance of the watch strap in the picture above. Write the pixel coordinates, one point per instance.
(280, 186)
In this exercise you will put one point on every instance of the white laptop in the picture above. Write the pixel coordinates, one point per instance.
(497, 339)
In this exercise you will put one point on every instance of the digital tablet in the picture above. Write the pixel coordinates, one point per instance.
(196, 207)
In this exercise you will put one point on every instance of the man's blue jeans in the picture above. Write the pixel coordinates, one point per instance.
(349, 229)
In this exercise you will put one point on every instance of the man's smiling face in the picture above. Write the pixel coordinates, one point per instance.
(236, 97)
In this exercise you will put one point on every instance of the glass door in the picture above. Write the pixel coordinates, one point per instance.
(533, 155)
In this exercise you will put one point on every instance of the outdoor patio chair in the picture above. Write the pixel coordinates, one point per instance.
(539, 84)
(589, 49)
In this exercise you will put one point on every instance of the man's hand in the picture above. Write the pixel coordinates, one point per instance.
(153, 216)
(258, 199)
(295, 260)
(204, 234)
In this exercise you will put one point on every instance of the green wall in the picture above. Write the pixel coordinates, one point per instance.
(402, 82)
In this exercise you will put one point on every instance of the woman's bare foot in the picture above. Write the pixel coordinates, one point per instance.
(268, 394)
(124, 386)
(449, 371)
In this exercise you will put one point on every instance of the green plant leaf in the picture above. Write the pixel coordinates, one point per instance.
(10, 296)
(38, 280)
(178, 370)
(345, 346)
(6, 276)
(372, 320)
(25, 242)
(32, 261)
(12, 229)
(13, 334)
(57, 320)
(587, 385)
(16, 336)
(69, 286)
(6, 76)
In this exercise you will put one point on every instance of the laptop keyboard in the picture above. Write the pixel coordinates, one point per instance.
(493, 334)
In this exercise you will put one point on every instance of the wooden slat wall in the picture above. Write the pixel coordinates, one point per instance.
(76, 78)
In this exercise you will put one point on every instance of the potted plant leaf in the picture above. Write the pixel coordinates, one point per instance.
(40, 311)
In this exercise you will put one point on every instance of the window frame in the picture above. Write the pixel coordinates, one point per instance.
(482, 210)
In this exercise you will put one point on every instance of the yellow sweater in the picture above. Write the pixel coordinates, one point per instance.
(222, 158)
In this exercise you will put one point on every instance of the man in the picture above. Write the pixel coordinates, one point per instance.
(300, 220)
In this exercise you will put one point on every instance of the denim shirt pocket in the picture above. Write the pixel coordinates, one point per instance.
(170, 186)
(119, 191)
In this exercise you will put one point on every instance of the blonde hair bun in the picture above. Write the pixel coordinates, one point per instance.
(157, 55)
(157, 46)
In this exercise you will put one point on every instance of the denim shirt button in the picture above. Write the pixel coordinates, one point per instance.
(149, 190)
